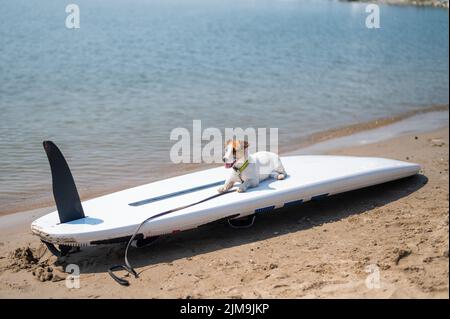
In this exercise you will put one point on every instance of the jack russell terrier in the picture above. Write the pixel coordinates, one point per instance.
(249, 170)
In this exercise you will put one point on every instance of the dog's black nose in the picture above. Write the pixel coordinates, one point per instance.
(223, 159)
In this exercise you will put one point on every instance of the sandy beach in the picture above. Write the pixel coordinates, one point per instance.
(138, 92)
(397, 231)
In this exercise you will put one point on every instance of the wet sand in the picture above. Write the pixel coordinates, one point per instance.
(398, 230)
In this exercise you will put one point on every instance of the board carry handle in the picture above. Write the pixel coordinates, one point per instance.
(242, 222)
(64, 189)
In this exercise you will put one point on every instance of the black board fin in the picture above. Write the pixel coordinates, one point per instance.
(64, 190)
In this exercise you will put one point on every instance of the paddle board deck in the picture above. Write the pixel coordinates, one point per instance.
(116, 216)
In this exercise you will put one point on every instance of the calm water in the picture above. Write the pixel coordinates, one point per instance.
(110, 92)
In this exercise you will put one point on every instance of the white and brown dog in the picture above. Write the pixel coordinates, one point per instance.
(249, 170)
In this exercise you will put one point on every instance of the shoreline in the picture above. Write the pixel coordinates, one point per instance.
(300, 146)
(443, 4)
(316, 250)
(352, 129)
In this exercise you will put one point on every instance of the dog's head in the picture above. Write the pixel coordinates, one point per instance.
(234, 150)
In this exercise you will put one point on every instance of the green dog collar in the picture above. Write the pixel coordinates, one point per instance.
(242, 168)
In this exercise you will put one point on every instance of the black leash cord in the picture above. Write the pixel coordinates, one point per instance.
(127, 267)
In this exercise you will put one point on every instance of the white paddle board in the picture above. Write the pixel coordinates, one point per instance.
(116, 216)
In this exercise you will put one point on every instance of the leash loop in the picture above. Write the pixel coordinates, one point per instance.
(127, 266)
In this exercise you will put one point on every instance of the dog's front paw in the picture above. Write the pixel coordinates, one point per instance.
(281, 176)
(241, 189)
(221, 189)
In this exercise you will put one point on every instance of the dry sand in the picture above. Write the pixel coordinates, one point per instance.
(398, 230)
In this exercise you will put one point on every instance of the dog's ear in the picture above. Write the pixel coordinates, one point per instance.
(245, 145)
